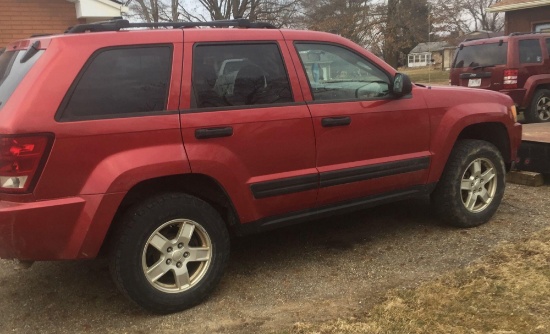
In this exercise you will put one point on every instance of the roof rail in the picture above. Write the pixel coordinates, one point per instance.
(528, 33)
(119, 23)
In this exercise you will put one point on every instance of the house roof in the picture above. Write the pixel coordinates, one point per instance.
(511, 5)
(429, 47)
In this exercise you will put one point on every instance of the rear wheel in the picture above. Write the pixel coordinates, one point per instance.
(539, 110)
(170, 252)
(472, 185)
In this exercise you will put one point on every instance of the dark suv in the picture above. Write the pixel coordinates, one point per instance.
(517, 65)
(152, 146)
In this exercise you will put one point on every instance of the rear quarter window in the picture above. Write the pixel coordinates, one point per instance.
(120, 82)
(12, 71)
(529, 51)
(481, 55)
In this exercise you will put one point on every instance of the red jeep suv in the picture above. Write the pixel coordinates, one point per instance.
(517, 65)
(154, 145)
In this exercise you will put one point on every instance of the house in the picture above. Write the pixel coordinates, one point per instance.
(424, 54)
(23, 18)
(524, 15)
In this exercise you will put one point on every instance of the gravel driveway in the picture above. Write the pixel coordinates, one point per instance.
(324, 269)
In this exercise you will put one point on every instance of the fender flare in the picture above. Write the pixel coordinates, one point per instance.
(531, 86)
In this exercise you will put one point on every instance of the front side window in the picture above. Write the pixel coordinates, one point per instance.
(239, 75)
(529, 51)
(336, 73)
(13, 68)
(121, 81)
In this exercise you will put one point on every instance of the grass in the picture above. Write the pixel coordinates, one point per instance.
(506, 292)
(425, 75)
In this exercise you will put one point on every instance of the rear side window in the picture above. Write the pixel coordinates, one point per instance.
(239, 75)
(481, 55)
(529, 51)
(12, 71)
(120, 82)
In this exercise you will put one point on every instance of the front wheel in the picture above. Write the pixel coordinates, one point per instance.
(539, 110)
(170, 252)
(472, 185)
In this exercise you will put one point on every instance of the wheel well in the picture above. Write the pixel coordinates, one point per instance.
(198, 185)
(494, 133)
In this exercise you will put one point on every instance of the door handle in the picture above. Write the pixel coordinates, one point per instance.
(213, 133)
(335, 121)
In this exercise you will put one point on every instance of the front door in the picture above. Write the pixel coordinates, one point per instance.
(368, 142)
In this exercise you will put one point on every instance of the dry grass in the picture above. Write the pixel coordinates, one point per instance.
(505, 292)
(427, 76)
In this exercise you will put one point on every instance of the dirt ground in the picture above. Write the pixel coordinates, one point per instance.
(325, 269)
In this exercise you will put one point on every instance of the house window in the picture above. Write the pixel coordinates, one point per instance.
(542, 27)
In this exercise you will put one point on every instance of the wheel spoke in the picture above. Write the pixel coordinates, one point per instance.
(186, 232)
(181, 276)
(157, 270)
(488, 176)
(159, 242)
(471, 201)
(466, 184)
(476, 168)
(199, 254)
(484, 196)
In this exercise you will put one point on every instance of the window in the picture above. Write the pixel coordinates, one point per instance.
(548, 46)
(12, 71)
(481, 55)
(530, 51)
(336, 73)
(542, 27)
(239, 75)
(121, 81)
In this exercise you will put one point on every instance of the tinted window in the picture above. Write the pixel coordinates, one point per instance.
(121, 81)
(481, 55)
(239, 74)
(12, 71)
(529, 51)
(336, 73)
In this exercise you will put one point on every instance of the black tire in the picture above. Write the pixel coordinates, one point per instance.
(462, 197)
(193, 239)
(539, 109)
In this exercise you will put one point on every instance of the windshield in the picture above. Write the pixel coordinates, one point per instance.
(12, 71)
(481, 55)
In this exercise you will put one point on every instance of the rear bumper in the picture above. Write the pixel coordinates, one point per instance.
(39, 230)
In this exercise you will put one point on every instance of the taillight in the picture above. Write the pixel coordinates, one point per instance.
(510, 79)
(21, 161)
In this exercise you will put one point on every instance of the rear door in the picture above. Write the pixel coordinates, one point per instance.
(244, 122)
(368, 142)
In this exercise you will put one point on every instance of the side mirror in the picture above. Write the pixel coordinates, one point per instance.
(402, 85)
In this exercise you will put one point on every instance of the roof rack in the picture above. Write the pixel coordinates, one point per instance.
(119, 23)
(528, 33)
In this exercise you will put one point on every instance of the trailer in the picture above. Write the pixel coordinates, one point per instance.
(534, 151)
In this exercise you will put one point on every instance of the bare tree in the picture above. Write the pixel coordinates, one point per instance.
(353, 19)
(406, 25)
(483, 20)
